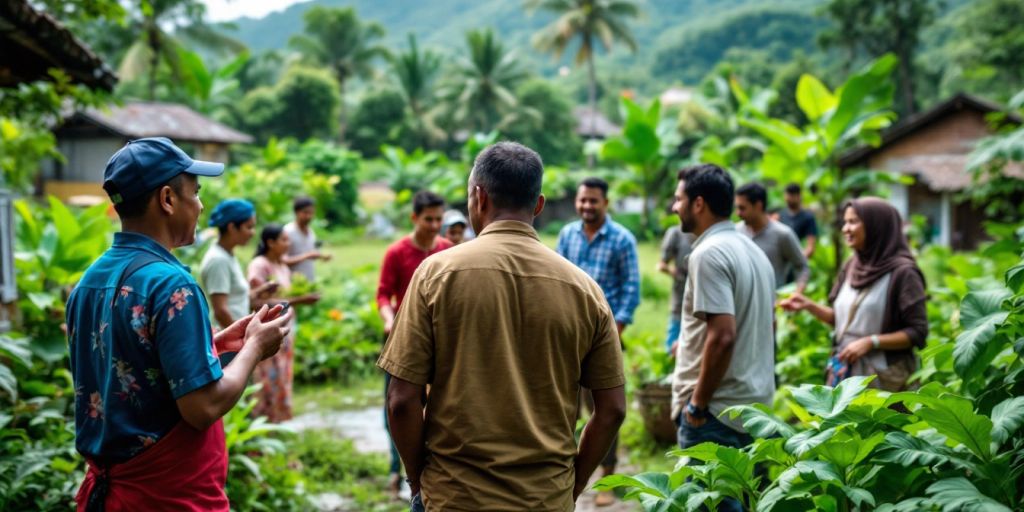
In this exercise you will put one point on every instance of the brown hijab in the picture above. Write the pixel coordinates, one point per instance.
(885, 247)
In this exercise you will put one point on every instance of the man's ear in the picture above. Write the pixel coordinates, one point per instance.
(167, 200)
(482, 199)
(540, 206)
(698, 205)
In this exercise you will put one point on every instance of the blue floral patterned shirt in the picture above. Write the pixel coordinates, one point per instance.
(135, 350)
(610, 259)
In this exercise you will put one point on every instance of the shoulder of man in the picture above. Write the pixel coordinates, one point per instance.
(622, 233)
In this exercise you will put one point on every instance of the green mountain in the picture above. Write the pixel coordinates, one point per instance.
(442, 24)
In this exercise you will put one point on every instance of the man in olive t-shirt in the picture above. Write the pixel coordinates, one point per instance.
(505, 331)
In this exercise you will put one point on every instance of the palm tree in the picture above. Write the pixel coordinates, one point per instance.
(336, 38)
(586, 20)
(480, 91)
(159, 27)
(415, 72)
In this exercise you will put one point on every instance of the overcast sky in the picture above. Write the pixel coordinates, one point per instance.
(224, 10)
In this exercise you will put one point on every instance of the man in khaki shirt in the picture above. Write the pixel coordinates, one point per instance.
(505, 332)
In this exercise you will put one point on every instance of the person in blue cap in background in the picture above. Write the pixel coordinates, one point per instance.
(227, 289)
(150, 391)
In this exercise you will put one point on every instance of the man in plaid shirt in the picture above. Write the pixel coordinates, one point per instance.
(606, 251)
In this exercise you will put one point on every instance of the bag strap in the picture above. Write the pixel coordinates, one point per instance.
(861, 295)
(141, 260)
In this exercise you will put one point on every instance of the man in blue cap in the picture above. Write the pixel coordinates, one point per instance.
(149, 389)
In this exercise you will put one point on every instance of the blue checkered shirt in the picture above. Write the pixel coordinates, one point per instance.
(610, 259)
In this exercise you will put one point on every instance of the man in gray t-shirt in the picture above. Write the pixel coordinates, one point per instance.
(777, 240)
(304, 249)
(725, 356)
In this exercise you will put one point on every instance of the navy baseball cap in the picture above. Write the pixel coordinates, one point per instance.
(145, 164)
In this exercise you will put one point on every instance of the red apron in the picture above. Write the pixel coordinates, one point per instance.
(186, 470)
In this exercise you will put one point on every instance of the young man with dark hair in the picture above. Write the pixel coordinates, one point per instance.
(305, 248)
(726, 353)
(776, 239)
(800, 219)
(607, 252)
(150, 391)
(400, 262)
(505, 332)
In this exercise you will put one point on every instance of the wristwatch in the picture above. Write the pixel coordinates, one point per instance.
(875, 341)
(696, 412)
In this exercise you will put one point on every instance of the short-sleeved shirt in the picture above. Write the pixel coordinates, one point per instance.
(675, 247)
(302, 242)
(506, 332)
(221, 273)
(400, 262)
(729, 275)
(802, 222)
(133, 357)
(610, 259)
(783, 249)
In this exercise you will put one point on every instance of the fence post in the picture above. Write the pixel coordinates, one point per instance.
(8, 286)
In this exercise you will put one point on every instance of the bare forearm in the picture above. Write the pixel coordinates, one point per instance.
(223, 317)
(597, 438)
(823, 313)
(405, 418)
(714, 363)
(898, 340)
(204, 406)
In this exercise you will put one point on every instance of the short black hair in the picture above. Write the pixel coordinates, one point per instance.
(425, 199)
(793, 188)
(511, 174)
(136, 207)
(713, 184)
(594, 182)
(301, 203)
(755, 193)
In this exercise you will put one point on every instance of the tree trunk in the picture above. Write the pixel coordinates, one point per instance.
(591, 102)
(153, 38)
(341, 112)
(906, 84)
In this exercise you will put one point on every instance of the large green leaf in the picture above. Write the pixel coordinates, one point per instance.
(759, 421)
(807, 440)
(828, 402)
(655, 484)
(855, 96)
(847, 448)
(813, 97)
(960, 495)
(782, 135)
(906, 450)
(954, 417)
(1007, 417)
(981, 314)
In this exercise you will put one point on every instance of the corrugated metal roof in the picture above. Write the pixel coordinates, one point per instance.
(154, 119)
(33, 42)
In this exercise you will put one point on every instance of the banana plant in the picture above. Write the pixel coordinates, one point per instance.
(839, 120)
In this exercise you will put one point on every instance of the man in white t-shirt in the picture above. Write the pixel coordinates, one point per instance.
(725, 356)
(304, 249)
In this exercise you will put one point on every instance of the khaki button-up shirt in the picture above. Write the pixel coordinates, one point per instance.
(505, 331)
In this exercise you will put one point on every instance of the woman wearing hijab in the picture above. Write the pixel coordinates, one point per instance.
(878, 305)
(275, 373)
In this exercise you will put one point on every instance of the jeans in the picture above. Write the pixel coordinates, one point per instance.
(674, 328)
(717, 432)
(396, 461)
(416, 504)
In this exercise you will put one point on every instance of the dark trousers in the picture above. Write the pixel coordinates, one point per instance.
(717, 432)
